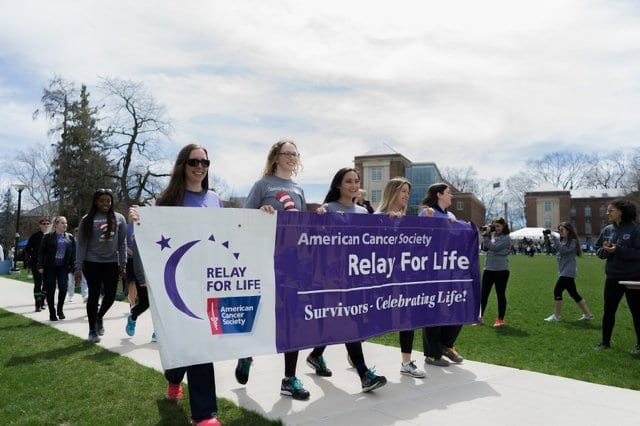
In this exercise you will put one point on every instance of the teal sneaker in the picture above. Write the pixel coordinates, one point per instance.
(131, 326)
(292, 387)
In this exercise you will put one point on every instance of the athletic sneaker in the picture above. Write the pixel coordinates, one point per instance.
(499, 322)
(371, 381)
(93, 337)
(131, 326)
(319, 365)
(174, 391)
(213, 421)
(585, 317)
(242, 370)
(439, 362)
(410, 369)
(452, 354)
(602, 346)
(292, 387)
(154, 338)
(99, 327)
(553, 318)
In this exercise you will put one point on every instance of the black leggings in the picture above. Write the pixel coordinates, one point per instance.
(499, 278)
(354, 349)
(97, 276)
(613, 293)
(569, 284)
(143, 302)
(406, 341)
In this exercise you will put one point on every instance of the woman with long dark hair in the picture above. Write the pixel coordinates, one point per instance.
(189, 187)
(497, 243)
(342, 198)
(101, 257)
(619, 244)
(567, 248)
(439, 341)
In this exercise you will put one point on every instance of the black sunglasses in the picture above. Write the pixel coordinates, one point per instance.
(193, 162)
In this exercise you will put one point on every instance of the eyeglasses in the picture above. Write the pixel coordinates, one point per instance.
(45, 223)
(193, 162)
(289, 154)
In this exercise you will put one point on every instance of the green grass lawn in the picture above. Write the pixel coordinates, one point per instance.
(48, 377)
(564, 348)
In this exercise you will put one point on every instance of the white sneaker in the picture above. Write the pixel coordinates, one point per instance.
(585, 317)
(410, 369)
(552, 318)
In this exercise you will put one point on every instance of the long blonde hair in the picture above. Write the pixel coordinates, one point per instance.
(391, 190)
(270, 165)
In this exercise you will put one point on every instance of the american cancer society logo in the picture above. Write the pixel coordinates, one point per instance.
(232, 314)
(226, 313)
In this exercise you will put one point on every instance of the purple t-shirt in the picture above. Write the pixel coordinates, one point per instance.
(201, 199)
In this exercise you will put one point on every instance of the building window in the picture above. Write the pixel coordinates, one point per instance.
(547, 223)
(587, 213)
(460, 205)
(376, 196)
(376, 173)
(547, 206)
(572, 211)
(602, 211)
(587, 227)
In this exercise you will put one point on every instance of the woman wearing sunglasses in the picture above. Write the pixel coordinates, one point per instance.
(189, 187)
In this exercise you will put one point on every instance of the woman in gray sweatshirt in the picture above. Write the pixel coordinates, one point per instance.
(497, 243)
(567, 248)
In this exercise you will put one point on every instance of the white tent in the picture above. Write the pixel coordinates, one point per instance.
(529, 233)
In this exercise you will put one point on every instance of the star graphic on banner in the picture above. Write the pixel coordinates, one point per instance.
(164, 242)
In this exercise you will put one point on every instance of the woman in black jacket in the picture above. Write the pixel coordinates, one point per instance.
(56, 259)
(619, 244)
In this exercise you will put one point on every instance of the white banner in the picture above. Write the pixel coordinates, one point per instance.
(211, 282)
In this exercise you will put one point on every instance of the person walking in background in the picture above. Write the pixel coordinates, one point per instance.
(84, 288)
(101, 256)
(277, 191)
(140, 282)
(619, 244)
(341, 198)
(496, 243)
(567, 247)
(395, 198)
(130, 278)
(56, 258)
(362, 201)
(438, 341)
(188, 187)
(32, 251)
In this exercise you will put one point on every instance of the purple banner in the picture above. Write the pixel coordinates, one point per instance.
(342, 278)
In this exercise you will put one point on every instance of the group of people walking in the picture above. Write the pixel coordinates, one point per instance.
(100, 255)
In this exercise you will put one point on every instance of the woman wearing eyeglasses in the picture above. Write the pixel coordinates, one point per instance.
(101, 257)
(567, 248)
(276, 191)
(56, 258)
(189, 187)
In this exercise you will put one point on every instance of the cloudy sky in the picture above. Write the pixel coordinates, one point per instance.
(486, 84)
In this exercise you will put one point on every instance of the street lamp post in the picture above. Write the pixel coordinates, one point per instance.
(19, 188)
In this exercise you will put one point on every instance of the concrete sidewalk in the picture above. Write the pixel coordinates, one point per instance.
(470, 393)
